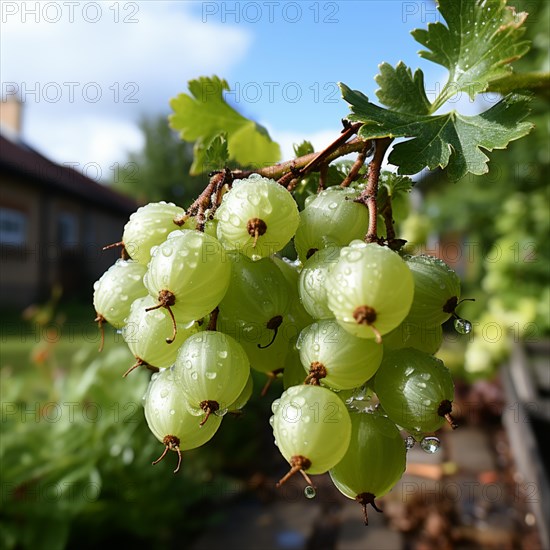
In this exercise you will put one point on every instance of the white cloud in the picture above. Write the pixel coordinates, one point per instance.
(166, 45)
(105, 142)
(60, 62)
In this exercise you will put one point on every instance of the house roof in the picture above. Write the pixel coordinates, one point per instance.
(21, 159)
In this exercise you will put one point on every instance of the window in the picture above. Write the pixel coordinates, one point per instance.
(67, 230)
(13, 227)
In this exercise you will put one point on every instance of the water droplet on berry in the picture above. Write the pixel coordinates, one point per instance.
(410, 442)
(430, 444)
(310, 492)
(462, 326)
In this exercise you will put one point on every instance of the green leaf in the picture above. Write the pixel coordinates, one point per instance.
(401, 90)
(395, 184)
(216, 154)
(204, 113)
(450, 140)
(302, 149)
(481, 39)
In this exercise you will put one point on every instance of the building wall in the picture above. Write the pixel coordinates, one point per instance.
(64, 237)
(20, 265)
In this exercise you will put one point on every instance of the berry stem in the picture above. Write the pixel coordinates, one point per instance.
(387, 214)
(208, 407)
(123, 253)
(213, 321)
(100, 320)
(171, 443)
(137, 364)
(364, 499)
(357, 165)
(166, 299)
(297, 464)
(273, 324)
(444, 410)
(256, 228)
(368, 196)
(271, 376)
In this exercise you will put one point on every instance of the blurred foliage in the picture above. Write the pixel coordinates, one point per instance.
(502, 220)
(76, 451)
(160, 171)
(76, 457)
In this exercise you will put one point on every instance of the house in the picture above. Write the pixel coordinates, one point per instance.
(54, 221)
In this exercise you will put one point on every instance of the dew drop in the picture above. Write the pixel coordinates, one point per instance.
(462, 326)
(354, 256)
(430, 444)
(164, 393)
(210, 375)
(410, 442)
(222, 354)
(310, 492)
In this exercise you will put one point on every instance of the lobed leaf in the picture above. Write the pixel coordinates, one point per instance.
(401, 90)
(481, 39)
(450, 140)
(203, 114)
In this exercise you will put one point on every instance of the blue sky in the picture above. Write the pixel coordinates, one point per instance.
(87, 73)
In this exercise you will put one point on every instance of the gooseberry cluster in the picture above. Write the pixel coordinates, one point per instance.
(206, 295)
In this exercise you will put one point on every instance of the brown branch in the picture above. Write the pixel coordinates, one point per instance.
(325, 153)
(209, 198)
(291, 179)
(357, 165)
(368, 196)
(387, 214)
(293, 168)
